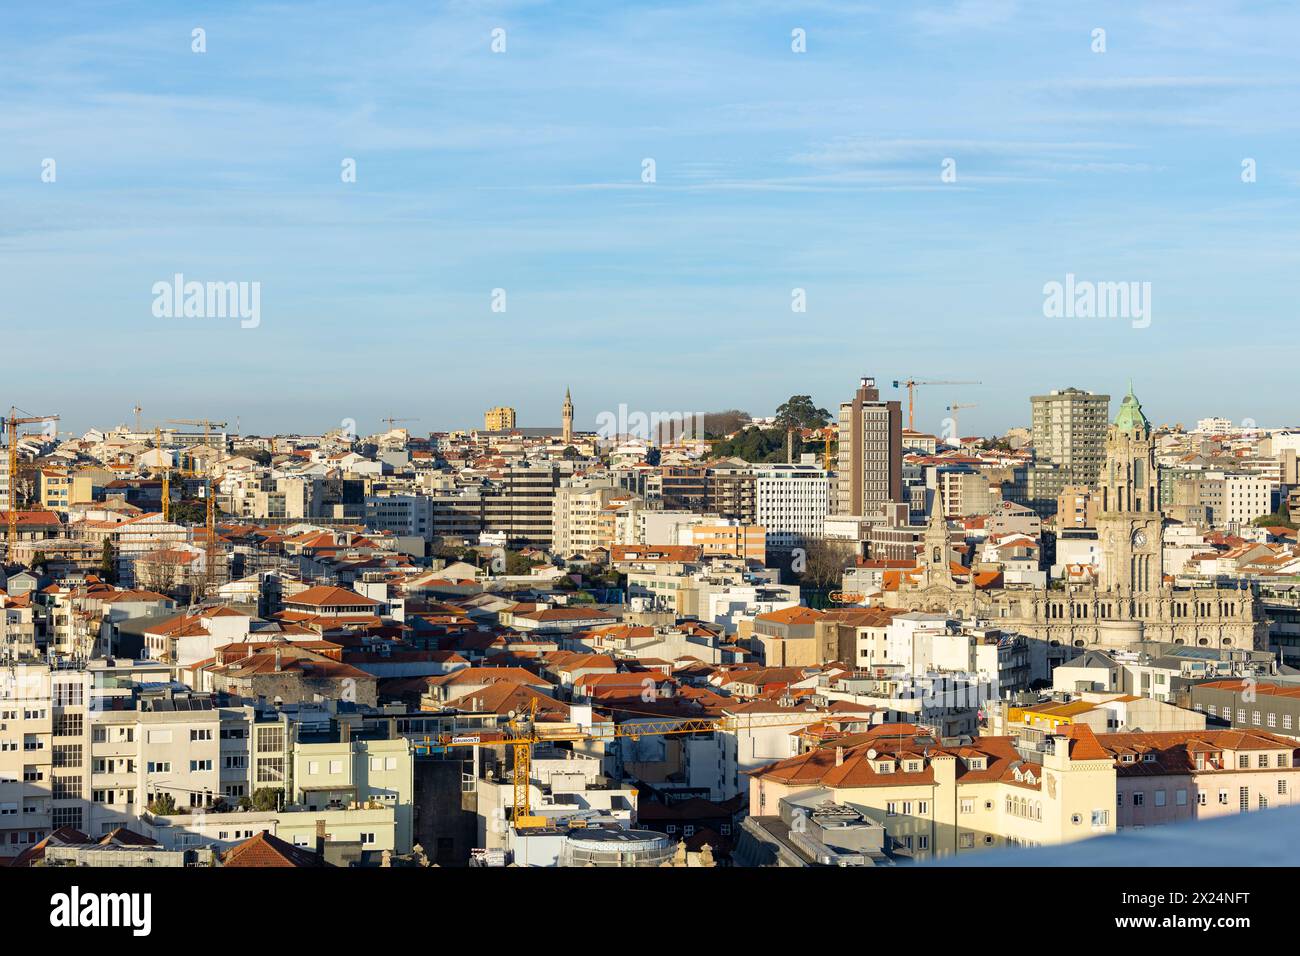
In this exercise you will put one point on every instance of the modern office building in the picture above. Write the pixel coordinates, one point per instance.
(869, 467)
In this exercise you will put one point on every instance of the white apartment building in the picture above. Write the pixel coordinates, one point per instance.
(1245, 498)
(403, 515)
(791, 502)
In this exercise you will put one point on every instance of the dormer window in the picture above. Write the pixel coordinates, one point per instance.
(1148, 758)
(914, 766)
(975, 763)
(885, 766)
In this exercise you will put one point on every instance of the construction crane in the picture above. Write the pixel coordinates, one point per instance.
(211, 517)
(955, 408)
(911, 385)
(11, 426)
(525, 734)
(137, 409)
(166, 475)
(390, 422)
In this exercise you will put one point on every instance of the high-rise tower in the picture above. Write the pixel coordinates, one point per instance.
(869, 468)
(567, 434)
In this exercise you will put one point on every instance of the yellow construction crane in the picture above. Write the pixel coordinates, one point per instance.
(11, 424)
(524, 734)
(911, 385)
(390, 422)
(166, 475)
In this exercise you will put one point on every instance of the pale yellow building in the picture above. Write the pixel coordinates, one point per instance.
(499, 419)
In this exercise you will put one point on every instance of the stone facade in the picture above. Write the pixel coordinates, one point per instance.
(1131, 601)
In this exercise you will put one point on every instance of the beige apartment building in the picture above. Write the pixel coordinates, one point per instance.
(1181, 775)
(937, 801)
(745, 542)
(61, 488)
(581, 517)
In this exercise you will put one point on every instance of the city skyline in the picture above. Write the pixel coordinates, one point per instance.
(819, 175)
(590, 422)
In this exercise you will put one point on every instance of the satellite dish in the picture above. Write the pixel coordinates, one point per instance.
(871, 754)
(511, 715)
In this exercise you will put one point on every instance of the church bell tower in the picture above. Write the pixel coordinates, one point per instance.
(1130, 523)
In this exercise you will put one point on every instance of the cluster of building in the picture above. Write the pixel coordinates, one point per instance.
(549, 647)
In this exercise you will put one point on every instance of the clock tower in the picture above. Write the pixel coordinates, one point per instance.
(1130, 523)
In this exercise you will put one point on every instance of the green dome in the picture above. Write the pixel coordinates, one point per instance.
(1130, 417)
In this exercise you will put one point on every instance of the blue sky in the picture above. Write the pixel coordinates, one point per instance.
(522, 171)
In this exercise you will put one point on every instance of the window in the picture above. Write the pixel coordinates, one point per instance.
(200, 766)
(1180, 798)
(1243, 761)
(67, 695)
(1202, 798)
(923, 807)
(1263, 761)
(1223, 798)
(66, 788)
(313, 766)
(1160, 798)
(1139, 799)
(368, 839)
(66, 817)
(1101, 818)
(923, 843)
(68, 725)
(159, 766)
(1243, 798)
(390, 763)
(968, 806)
(336, 766)
(966, 841)
(891, 809)
(201, 734)
(1281, 786)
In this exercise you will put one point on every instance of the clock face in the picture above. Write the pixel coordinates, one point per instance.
(1139, 539)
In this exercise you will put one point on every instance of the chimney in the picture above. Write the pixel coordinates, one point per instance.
(277, 660)
(839, 756)
(320, 837)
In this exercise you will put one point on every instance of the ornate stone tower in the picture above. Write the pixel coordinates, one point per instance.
(567, 434)
(1130, 523)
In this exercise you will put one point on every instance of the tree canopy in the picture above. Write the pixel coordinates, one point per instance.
(798, 411)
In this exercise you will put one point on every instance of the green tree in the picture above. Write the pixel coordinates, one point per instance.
(800, 412)
(517, 564)
(39, 561)
(263, 799)
(108, 563)
(163, 805)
